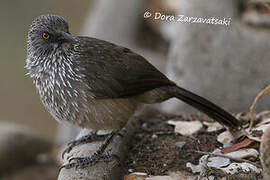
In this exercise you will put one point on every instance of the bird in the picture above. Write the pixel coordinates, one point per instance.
(98, 85)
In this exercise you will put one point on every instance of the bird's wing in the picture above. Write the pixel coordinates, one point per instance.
(116, 72)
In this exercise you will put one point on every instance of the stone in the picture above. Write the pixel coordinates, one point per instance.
(101, 171)
(20, 146)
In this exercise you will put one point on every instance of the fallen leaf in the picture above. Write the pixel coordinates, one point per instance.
(186, 128)
(135, 176)
(249, 153)
(194, 168)
(235, 168)
(243, 144)
(225, 137)
(218, 162)
(160, 178)
(201, 167)
(212, 126)
(181, 175)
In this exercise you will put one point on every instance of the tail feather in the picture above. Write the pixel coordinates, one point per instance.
(205, 106)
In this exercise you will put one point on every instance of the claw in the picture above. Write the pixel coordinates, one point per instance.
(67, 150)
(77, 159)
(81, 162)
(67, 166)
(91, 137)
(70, 145)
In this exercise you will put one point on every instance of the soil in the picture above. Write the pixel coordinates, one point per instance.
(153, 149)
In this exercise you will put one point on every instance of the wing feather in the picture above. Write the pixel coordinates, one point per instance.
(113, 71)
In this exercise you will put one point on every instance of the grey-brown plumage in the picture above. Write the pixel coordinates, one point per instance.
(96, 84)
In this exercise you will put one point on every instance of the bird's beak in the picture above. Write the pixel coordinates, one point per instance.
(67, 37)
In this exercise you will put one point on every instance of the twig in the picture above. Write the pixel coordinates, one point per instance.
(252, 107)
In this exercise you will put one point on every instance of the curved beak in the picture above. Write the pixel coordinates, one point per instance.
(67, 37)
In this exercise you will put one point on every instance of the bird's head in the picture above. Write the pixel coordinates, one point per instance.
(46, 34)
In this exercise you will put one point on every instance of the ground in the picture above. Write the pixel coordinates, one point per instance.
(154, 150)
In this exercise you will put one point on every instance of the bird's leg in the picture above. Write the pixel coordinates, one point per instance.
(91, 137)
(98, 156)
(82, 162)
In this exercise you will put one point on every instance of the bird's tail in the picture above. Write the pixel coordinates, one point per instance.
(205, 106)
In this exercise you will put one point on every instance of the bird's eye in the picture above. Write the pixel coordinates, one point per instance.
(45, 35)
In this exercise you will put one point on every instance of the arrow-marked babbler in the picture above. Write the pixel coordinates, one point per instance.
(98, 85)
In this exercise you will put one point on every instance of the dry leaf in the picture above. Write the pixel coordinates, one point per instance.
(186, 128)
(135, 176)
(244, 154)
(243, 144)
(225, 137)
(212, 126)
(160, 178)
(235, 168)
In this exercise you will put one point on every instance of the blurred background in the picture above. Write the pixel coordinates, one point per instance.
(226, 64)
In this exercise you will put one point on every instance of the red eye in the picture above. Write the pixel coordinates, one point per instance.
(45, 35)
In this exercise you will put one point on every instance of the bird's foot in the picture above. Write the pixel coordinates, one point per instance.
(82, 162)
(95, 158)
(91, 137)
